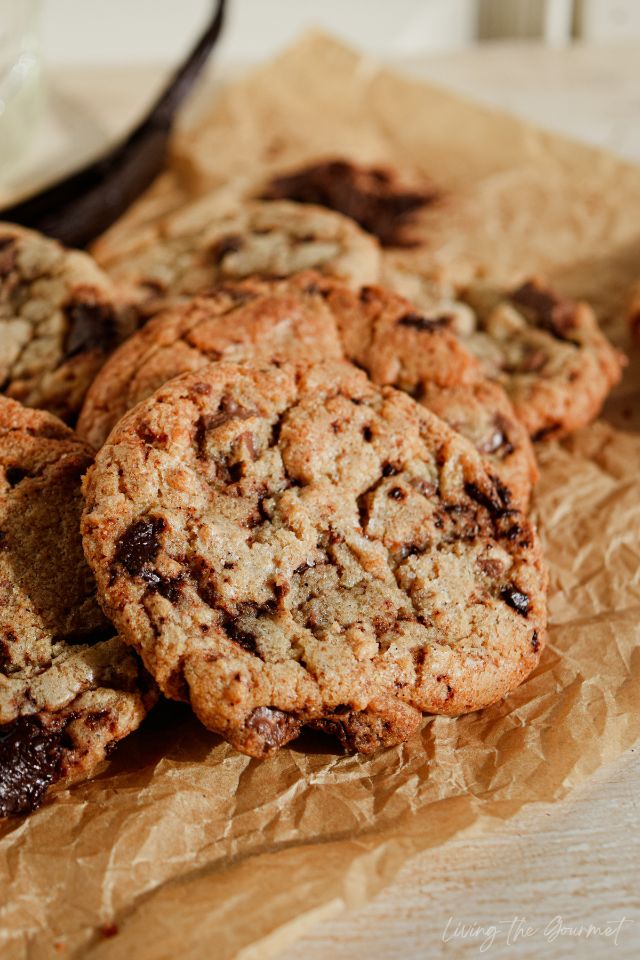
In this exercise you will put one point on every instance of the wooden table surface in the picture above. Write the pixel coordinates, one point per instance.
(533, 887)
(547, 872)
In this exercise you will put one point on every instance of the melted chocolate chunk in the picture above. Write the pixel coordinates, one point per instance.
(517, 600)
(30, 760)
(168, 587)
(245, 640)
(258, 610)
(495, 508)
(272, 727)
(205, 590)
(409, 550)
(49, 431)
(367, 195)
(556, 314)
(139, 545)
(498, 442)
(201, 436)
(463, 521)
(8, 255)
(236, 472)
(505, 496)
(363, 510)
(14, 475)
(6, 657)
(226, 245)
(513, 532)
(149, 436)
(367, 294)
(92, 326)
(426, 324)
(95, 719)
(229, 410)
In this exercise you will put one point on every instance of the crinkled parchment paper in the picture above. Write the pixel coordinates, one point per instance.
(184, 848)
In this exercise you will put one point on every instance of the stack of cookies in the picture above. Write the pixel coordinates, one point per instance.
(297, 490)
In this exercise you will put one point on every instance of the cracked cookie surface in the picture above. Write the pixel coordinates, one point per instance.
(418, 353)
(252, 319)
(309, 317)
(208, 243)
(59, 320)
(69, 689)
(290, 545)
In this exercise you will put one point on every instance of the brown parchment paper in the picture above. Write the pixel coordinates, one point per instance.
(183, 848)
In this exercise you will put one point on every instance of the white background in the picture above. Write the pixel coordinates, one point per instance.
(139, 31)
(159, 31)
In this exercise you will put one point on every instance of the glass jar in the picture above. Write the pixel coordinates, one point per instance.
(20, 79)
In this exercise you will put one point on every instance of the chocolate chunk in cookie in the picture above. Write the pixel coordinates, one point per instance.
(30, 761)
(375, 197)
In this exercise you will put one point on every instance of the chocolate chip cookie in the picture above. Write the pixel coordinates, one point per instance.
(208, 243)
(291, 544)
(287, 319)
(59, 320)
(69, 689)
(375, 197)
(547, 351)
